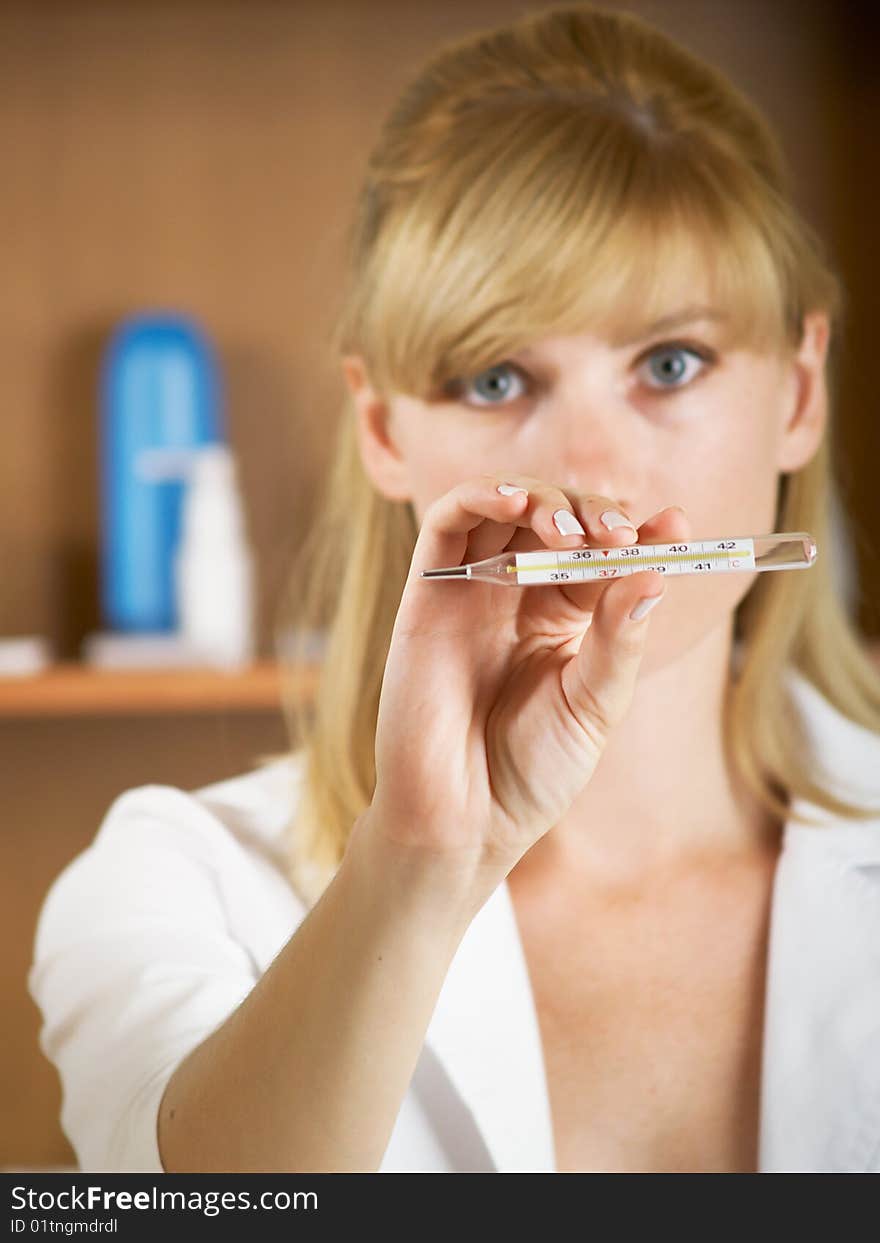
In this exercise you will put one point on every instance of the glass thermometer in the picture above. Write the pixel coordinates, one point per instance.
(794, 550)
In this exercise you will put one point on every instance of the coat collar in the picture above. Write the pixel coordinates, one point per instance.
(820, 1094)
(821, 1056)
(820, 1103)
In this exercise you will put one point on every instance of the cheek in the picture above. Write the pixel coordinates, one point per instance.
(740, 467)
(728, 488)
(435, 468)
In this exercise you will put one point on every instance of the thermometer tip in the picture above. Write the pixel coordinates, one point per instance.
(458, 571)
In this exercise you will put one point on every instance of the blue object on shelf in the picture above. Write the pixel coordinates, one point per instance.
(160, 401)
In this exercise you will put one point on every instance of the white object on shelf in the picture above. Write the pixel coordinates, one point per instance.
(24, 655)
(213, 569)
(121, 650)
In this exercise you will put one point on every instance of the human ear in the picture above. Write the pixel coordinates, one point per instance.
(806, 412)
(381, 458)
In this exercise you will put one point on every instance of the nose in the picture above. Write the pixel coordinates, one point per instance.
(591, 481)
(598, 475)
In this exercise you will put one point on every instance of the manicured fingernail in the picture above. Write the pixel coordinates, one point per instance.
(612, 519)
(644, 606)
(508, 489)
(566, 523)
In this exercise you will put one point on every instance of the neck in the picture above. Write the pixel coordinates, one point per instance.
(662, 794)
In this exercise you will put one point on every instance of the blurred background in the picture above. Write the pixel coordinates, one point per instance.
(201, 157)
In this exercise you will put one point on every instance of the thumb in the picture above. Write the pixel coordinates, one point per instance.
(599, 680)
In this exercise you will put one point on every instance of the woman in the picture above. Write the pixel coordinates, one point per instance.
(541, 832)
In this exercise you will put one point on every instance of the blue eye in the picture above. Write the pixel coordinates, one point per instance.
(495, 382)
(668, 365)
(672, 366)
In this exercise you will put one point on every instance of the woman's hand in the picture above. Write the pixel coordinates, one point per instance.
(497, 702)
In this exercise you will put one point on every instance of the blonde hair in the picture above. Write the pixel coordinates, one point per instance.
(545, 177)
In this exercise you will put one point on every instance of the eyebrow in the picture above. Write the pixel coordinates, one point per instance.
(687, 315)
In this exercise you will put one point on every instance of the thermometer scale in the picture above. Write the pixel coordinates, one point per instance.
(780, 551)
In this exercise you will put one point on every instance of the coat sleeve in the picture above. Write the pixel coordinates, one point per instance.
(133, 967)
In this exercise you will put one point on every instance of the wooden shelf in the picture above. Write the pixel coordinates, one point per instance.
(71, 689)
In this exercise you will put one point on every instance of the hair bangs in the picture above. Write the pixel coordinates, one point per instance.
(582, 225)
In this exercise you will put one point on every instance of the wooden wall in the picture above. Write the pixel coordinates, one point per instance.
(204, 156)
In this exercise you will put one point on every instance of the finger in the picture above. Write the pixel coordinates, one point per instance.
(476, 519)
(598, 682)
(449, 521)
(557, 519)
(669, 526)
(570, 519)
(665, 527)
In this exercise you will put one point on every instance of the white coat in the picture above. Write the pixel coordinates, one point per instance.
(151, 937)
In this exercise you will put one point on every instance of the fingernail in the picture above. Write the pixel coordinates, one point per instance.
(644, 606)
(566, 523)
(508, 489)
(612, 519)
